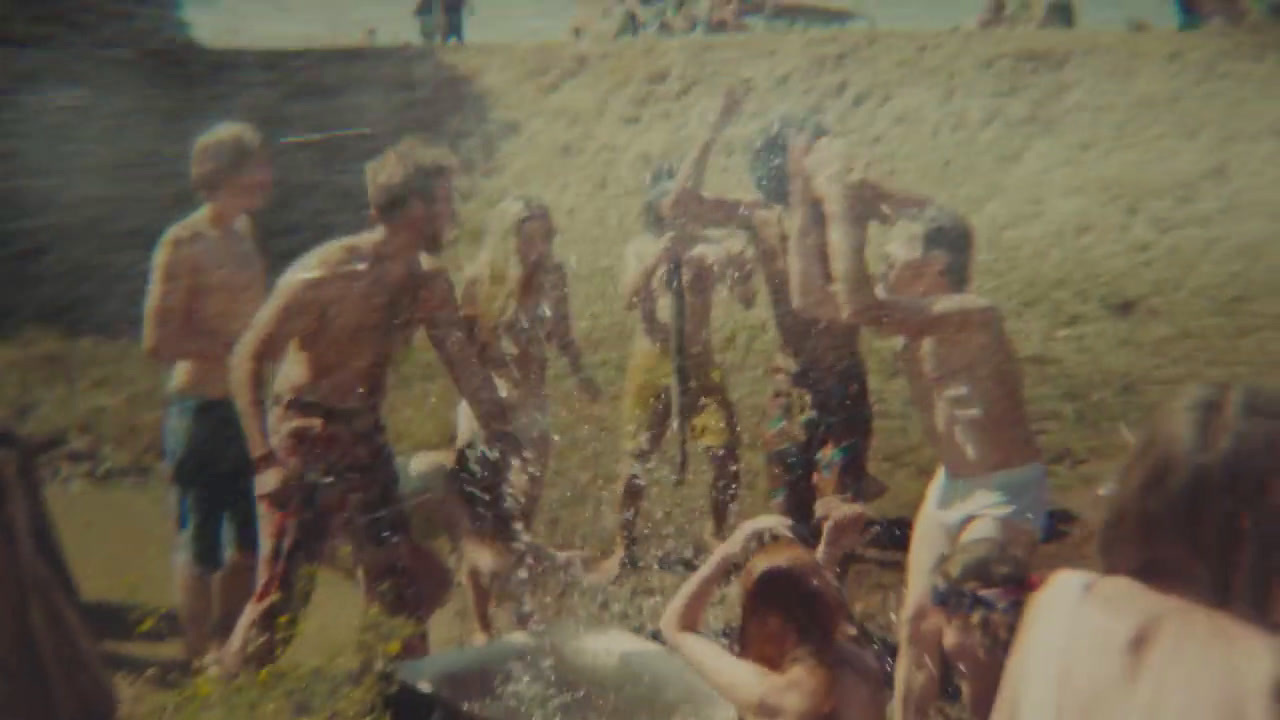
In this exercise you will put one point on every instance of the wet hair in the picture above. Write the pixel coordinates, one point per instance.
(409, 169)
(769, 158)
(222, 152)
(660, 183)
(783, 581)
(1197, 505)
(949, 234)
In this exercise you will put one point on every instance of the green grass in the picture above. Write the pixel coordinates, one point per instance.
(1122, 188)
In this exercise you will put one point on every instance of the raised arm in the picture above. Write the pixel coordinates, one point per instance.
(444, 327)
(849, 208)
(749, 687)
(167, 333)
(807, 264)
(694, 169)
(294, 305)
(686, 203)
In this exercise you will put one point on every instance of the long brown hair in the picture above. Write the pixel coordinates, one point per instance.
(784, 584)
(1197, 505)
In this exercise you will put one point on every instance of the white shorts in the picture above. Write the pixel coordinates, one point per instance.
(1019, 494)
(951, 506)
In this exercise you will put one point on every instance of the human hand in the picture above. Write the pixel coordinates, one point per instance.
(753, 533)
(843, 523)
(271, 485)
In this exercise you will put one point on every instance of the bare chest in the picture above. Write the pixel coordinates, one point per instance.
(229, 281)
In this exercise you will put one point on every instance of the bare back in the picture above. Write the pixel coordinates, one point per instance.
(967, 387)
(205, 286)
(1092, 646)
(821, 346)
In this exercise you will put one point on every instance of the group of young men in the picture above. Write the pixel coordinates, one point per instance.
(307, 446)
(312, 449)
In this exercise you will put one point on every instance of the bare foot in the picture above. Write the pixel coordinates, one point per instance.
(608, 570)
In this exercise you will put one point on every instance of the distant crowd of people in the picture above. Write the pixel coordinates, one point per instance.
(440, 21)
(274, 436)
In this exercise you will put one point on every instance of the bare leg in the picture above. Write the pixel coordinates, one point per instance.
(725, 469)
(633, 486)
(233, 586)
(538, 455)
(920, 664)
(291, 548)
(195, 608)
(930, 541)
(481, 599)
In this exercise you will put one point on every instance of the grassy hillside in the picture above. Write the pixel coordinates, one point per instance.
(1122, 186)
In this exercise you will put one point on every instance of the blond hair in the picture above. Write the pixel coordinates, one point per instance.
(222, 152)
(492, 279)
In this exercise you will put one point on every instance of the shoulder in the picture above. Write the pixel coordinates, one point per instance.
(331, 260)
(184, 236)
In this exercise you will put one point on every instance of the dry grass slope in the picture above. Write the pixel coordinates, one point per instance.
(1122, 187)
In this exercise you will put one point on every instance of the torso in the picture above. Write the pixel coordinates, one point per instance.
(342, 358)
(820, 346)
(699, 288)
(968, 391)
(525, 337)
(227, 284)
(1112, 647)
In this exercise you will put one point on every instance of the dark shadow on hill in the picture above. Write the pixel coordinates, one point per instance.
(96, 146)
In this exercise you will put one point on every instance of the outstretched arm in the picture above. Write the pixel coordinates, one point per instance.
(445, 330)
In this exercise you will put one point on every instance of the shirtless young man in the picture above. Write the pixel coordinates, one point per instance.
(961, 368)
(208, 278)
(819, 433)
(647, 402)
(330, 327)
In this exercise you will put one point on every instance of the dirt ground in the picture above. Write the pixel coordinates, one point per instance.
(1122, 187)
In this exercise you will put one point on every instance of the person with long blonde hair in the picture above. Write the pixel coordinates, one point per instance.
(515, 298)
(798, 655)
